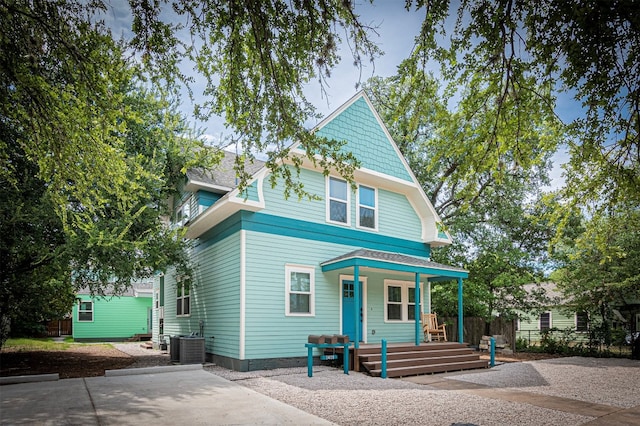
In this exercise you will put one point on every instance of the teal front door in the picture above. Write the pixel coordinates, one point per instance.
(349, 309)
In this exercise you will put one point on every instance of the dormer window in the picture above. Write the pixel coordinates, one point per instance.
(337, 201)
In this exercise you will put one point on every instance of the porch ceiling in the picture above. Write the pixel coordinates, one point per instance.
(394, 262)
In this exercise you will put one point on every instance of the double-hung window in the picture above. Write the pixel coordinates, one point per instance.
(399, 301)
(394, 303)
(183, 300)
(300, 286)
(582, 321)
(337, 201)
(545, 321)
(367, 201)
(85, 311)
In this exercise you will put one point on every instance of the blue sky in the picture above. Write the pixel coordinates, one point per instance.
(396, 28)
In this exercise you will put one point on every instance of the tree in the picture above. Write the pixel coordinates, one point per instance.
(90, 157)
(503, 245)
(588, 50)
(454, 149)
(487, 193)
(106, 151)
(35, 282)
(101, 246)
(597, 280)
(255, 58)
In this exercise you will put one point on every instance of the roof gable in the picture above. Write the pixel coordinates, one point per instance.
(357, 123)
(382, 166)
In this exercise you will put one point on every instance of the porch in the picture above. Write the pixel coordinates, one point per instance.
(407, 359)
(398, 294)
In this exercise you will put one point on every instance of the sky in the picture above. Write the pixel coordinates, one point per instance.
(396, 30)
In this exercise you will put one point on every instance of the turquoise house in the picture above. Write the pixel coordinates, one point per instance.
(270, 271)
(113, 318)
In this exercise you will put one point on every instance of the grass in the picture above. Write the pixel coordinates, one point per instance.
(41, 344)
(35, 344)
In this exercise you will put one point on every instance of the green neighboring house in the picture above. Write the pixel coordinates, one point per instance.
(558, 315)
(114, 318)
(561, 316)
(271, 270)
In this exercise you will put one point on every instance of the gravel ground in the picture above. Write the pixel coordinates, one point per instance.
(608, 381)
(357, 398)
(360, 399)
(144, 357)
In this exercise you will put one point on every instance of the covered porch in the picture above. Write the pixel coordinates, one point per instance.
(359, 264)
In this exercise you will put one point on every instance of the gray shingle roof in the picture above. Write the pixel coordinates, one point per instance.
(393, 258)
(224, 174)
(137, 286)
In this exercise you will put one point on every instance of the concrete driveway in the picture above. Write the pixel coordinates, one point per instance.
(182, 396)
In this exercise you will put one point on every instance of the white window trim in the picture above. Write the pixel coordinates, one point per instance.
(375, 209)
(406, 286)
(550, 320)
(288, 269)
(184, 219)
(93, 311)
(328, 201)
(181, 298)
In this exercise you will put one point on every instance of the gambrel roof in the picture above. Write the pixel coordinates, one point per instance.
(382, 166)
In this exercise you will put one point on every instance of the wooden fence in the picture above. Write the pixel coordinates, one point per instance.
(57, 328)
(474, 329)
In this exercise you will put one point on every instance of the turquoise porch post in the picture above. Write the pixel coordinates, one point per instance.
(460, 313)
(417, 308)
(356, 289)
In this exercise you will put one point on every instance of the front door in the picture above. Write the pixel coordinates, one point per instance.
(349, 309)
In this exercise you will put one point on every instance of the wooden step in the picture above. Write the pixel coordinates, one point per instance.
(141, 337)
(407, 347)
(433, 368)
(408, 354)
(411, 362)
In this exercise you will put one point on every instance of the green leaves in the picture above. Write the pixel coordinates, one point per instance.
(515, 58)
(255, 59)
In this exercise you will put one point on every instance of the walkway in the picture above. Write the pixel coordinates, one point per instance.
(605, 415)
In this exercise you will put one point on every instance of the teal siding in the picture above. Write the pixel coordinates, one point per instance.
(313, 232)
(218, 296)
(377, 328)
(250, 192)
(309, 210)
(396, 216)
(206, 199)
(269, 332)
(114, 318)
(215, 298)
(366, 140)
(174, 325)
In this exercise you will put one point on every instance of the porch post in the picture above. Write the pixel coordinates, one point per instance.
(418, 309)
(356, 289)
(460, 313)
